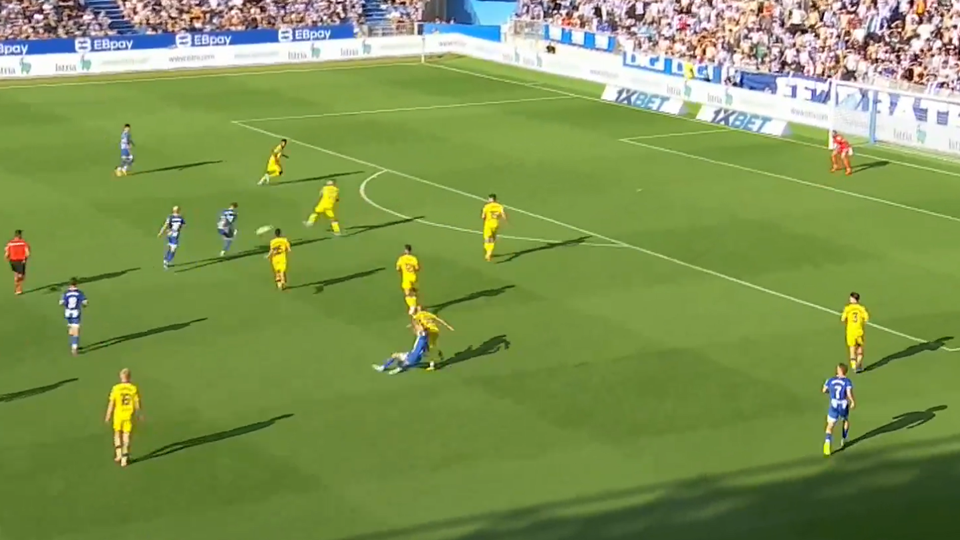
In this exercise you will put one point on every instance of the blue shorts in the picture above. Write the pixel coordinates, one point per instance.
(838, 412)
(73, 321)
(413, 357)
(126, 154)
(173, 241)
(227, 233)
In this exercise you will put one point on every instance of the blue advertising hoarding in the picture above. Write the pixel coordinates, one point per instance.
(173, 41)
(672, 66)
(886, 103)
(580, 38)
(489, 33)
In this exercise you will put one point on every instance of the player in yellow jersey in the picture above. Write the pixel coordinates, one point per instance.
(492, 214)
(274, 167)
(855, 317)
(329, 198)
(279, 248)
(123, 404)
(428, 322)
(408, 266)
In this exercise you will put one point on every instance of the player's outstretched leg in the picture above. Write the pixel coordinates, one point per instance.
(125, 450)
(227, 242)
(395, 358)
(117, 447)
(74, 341)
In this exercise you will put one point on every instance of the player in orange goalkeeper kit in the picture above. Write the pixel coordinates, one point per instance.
(841, 153)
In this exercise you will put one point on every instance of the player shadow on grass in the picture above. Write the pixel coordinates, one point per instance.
(187, 444)
(181, 167)
(138, 335)
(508, 257)
(908, 352)
(322, 178)
(488, 293)
(30, 392)
(870, 165)
(488, 347)
(360, 229)
(907, 420)
(55, 287)
(319, 286)
(259, 250)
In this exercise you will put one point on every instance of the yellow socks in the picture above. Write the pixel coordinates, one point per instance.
(335, 225)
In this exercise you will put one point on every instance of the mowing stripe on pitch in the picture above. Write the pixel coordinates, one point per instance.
(645, 251)
(405, 109)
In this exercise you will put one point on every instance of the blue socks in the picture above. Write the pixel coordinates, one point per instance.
(846, 429)
(74, 342)
(389, 362)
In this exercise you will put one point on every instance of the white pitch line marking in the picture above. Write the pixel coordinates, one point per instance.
(129, 80)
(794, 180)
(639, 249)
(678, 134)
(366, 198)
(405, 109)
(702, 122)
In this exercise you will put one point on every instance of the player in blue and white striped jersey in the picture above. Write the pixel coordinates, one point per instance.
(839, 391)
(227, 227)
(173, 226)
(126, 151)
(73, 302)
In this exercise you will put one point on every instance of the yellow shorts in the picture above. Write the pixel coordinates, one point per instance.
(274, 169)
(122, 424)
(279, 266)
(490, 231)
(325, 210)
(854, 340)
(408, 284)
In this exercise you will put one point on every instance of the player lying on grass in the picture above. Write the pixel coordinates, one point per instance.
(407, 360)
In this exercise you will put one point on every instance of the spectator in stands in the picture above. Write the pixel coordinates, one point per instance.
(914, 41)
(162, 16)
(403, 14)
(46, 19)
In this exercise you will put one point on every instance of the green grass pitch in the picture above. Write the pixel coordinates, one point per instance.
(644, 359)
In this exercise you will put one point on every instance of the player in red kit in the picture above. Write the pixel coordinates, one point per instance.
(841, 153)
(17, 252)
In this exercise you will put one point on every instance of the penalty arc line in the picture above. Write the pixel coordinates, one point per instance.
(366, 198)
(654, 254)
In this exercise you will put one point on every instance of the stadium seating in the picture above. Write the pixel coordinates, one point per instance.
(46, 19)
(912, 42)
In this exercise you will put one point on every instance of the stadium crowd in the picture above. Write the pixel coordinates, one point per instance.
(160, 16)
(916, 41)
(46, 19)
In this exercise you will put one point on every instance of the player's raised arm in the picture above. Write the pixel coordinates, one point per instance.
(443, 322)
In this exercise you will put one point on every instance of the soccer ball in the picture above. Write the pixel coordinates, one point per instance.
(264, 230)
